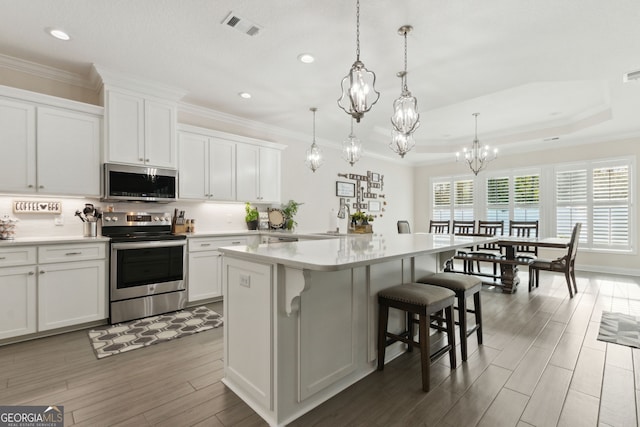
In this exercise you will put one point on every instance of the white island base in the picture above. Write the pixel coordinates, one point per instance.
(298, 332)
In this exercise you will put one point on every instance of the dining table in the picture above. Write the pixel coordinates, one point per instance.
(510, 262)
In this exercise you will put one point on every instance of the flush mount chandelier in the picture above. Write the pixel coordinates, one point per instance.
(358, 91)
(406, 118)
(477, 157)
(314, 153)
(351, 147)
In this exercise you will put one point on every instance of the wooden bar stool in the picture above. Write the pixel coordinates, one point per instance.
(463, 285)
(424, 301)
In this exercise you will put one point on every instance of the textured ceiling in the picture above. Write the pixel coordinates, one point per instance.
(534, 70)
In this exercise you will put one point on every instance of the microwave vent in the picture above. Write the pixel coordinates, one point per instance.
(241, 24)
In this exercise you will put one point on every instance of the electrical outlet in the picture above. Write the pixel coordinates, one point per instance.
(228, 218)
(245, 280)
(58, 219)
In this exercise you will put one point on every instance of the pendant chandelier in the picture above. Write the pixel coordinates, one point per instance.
(401, 143)
(358, 91)
(314, 153)
(351, 147)
(477, 157)
(405, 118)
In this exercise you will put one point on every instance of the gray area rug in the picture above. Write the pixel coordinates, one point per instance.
(135, 334)
(620, 329)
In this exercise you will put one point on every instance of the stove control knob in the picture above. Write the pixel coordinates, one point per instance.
(114, 219)
(107, 218)
(156, 219)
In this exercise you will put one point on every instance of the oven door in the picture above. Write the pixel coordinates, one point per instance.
(146, 268)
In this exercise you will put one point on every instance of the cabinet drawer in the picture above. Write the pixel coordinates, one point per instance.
(71, 252)
(21, 255)
(210, 244)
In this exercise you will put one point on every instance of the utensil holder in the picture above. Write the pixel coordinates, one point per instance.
(90, 229)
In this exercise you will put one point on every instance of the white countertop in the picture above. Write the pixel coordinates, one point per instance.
(348, 251)
(50, 240)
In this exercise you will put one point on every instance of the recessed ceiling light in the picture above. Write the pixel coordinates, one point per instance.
(307, 58)
(59, 34)
(245, 95)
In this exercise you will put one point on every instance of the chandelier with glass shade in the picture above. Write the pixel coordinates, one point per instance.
(405, 118)
(358, 91)
(314, 154)
(351, 147)
(478, 156)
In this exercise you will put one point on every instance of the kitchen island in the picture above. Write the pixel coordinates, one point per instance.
(301, 317)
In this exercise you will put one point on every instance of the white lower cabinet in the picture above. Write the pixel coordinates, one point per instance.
(204, 278)
(51, 286)
(18, 302)
(71, 293)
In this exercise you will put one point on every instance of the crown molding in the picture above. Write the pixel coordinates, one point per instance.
(44, 71)
(263, 128)
(137, 84)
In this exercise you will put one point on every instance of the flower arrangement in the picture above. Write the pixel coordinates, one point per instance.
(361, 217)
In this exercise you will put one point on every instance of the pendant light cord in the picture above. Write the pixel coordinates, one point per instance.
(358, 30)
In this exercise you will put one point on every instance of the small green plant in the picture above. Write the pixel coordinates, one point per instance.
(361, 216)
(252, 213)
(289, 210)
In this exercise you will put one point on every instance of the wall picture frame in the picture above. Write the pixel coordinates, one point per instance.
(374, 206)
(345, 189)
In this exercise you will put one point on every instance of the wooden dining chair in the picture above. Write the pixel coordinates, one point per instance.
(464, 228)
(403, 227)
(439, 227)
(489, 252)
(565, 264)
(524, 229)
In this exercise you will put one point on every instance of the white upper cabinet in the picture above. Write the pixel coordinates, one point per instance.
(140, 130)
(258, 171)
(49, 150)
(207, 167)
(219, 166)
(68, 152)
(18, 142)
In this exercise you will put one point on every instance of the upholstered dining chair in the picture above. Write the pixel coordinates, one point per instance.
(403, 227)
(439, 227)
(565, 264)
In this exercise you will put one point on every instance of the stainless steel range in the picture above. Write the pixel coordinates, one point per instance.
(146, 275)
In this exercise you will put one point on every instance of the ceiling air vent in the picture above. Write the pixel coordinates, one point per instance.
(241, 24)
(631, 76)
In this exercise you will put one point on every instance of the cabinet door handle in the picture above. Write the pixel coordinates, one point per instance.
(2, 257)
(30, 186)
(31, 273)
(41, 271)
(141, 159)
(73, 253)
(146, 160)
(236, 243)
(205, 244)
(41, 186)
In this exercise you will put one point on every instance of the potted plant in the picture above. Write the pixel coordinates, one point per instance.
(289, 210)
(360, 223)
(251, 216)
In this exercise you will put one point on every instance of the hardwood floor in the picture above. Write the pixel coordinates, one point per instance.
(540, 365)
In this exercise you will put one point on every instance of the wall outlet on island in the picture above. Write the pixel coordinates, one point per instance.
(58, 219)
(229, 219)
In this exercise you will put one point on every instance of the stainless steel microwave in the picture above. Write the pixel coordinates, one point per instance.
(139, 184)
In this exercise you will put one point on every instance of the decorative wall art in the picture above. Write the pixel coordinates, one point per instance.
(37, 206)
(365, 187)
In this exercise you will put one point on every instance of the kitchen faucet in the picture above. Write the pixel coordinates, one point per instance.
(344, 204)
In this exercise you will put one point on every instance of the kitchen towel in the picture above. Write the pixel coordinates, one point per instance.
(115, 339)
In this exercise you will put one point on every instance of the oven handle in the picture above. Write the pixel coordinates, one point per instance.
(148, 244)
